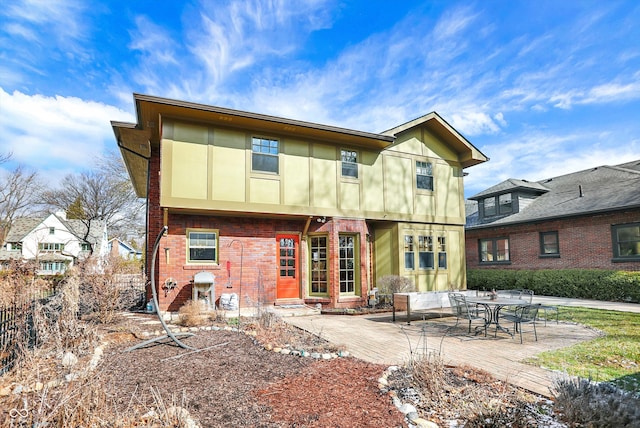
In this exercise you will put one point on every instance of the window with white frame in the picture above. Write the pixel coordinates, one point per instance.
(319, 268)
(264, 155)
(425, 252)
(409, 262)
(349, 163)
(53, 267)
(348, 262)
(442, 252)
(424, 175)
(50, 246)
(202, 246)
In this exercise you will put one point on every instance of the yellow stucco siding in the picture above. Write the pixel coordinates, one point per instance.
(449, 184)
(324, 176)
(228, 174)
(349, 195)
(398, 190)
(296, 172)
(211, 167)
(264, 190)
(373, 179)
(189, 170)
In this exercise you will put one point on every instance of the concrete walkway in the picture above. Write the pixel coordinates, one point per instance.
(376, 338)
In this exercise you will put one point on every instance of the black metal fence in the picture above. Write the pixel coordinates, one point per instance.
(13, 322)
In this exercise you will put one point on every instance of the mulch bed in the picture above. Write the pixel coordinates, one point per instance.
(238, 383)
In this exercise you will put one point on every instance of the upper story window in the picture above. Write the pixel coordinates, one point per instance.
(549, 244)
(424, 175)
(85, 246)
(626, 241)
(202, 246)
(501, 204)
(505, 204)
(494, 250)
(490, 206)
(52, 231)
(51, 246)
(264, 156)
(13, 246)
(349, 163)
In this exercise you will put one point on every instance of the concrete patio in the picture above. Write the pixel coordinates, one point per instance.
(376, 338)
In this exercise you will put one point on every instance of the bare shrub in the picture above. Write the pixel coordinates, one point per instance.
(195, 313)
(389, 284)
(101, 295)
(469, 394)
(86, 402)
(581, 401)
(20, 282)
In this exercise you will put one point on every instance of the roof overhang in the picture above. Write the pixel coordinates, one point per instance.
(135, 147)
(468, 154)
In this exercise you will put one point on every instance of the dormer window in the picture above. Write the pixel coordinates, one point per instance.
(505, 204)
(490, 206)
(498, 205)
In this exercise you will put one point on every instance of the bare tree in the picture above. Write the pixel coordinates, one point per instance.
(104, 194)
(18, 189)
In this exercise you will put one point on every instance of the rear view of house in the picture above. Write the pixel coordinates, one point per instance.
(281, 211)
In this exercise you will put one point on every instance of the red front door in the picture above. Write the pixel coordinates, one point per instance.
(288, 286)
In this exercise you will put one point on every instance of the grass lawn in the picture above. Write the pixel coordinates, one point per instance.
(614, 357)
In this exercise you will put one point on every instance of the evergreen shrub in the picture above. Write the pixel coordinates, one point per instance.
(598, 284)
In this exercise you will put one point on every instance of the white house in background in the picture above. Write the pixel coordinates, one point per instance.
(54, 242)
(123, 250)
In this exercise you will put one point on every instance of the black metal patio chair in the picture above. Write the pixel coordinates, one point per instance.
(523, 315)
(463, 310)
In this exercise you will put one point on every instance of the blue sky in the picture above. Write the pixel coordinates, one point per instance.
(543, 88)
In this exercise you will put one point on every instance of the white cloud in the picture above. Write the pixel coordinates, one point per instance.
(537, 155)
(57, 17)
(56, 135)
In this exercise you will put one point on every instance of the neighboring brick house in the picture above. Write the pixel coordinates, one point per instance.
(588, 219)
(280, 211)
(54, 242)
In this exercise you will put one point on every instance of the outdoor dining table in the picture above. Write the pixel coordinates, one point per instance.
(493, 307)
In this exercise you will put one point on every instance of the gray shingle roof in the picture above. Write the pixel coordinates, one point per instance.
(511, 184)
(22, 226)
(594, 190)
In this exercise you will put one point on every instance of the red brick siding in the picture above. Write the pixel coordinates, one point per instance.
(585, 243)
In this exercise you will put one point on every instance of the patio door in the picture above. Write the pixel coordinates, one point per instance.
(288, 282)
